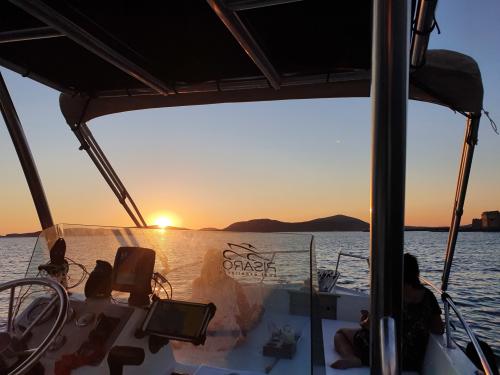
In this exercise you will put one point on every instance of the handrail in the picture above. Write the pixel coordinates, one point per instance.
(352, 256)
(388, 346)
(484, 362)
(448, 302)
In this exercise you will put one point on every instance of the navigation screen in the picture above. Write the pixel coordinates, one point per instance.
(184, 321)
(133, 269)
(127, 273)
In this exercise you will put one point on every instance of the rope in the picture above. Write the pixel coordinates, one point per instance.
(428, 31)
(492, 123)
(432, 27)
(437, 25)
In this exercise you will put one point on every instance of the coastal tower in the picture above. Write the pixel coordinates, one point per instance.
(490, 220)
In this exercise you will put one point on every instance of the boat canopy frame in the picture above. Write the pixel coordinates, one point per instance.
(110, 71)
(225, 50)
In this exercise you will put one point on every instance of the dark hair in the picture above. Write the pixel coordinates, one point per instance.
(411, 271)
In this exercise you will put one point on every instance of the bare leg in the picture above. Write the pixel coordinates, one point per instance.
(343, 341)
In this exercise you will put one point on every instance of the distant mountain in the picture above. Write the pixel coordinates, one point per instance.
(335, 223)
(15, 235)
(173, 228)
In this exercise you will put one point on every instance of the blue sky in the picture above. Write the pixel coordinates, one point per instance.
(295, 160)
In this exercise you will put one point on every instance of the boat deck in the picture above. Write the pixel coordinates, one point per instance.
(248, 355)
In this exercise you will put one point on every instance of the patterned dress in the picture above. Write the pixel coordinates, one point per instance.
(417, 319)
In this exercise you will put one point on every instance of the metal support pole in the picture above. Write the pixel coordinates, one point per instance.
(424, 22)
(238, 5)
(139, 221)
(10, 314)
(90, 145)
(35, 33)
(389, 92)
(388, 354)
(25, 158)
(49, 15)
(246, 41)
(470, 141)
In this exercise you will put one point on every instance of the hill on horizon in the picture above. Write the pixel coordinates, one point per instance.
(326, 224)
(335, 223)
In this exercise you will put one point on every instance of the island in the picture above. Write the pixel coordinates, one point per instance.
(489, 222)
(336, 223)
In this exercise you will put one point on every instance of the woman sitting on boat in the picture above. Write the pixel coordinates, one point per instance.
(236, 312)
(421, 316)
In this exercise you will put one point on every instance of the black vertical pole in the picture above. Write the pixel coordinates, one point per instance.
(24, 153)
(470, 141)
(389, 92)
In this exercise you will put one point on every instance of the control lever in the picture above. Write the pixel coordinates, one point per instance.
(120, 356)
(57, 268)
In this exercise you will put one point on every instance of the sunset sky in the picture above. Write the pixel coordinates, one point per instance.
(209, 166)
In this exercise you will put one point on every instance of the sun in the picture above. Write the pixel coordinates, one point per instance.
(163, 222)
(164, 219)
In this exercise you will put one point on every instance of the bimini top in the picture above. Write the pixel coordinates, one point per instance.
(114, 56)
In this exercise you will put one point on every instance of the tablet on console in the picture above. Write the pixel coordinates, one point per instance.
(179, 320)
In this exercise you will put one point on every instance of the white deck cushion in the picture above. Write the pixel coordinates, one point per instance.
(330, 327)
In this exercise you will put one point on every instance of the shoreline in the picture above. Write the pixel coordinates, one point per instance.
(409, 229)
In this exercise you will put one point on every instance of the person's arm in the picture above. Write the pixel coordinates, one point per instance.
(437, 325)
(364, 322)
(249, 315)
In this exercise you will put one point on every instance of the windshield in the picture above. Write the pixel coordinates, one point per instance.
(261, 284)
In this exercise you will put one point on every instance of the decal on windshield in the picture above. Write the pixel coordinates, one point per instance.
(245, 260)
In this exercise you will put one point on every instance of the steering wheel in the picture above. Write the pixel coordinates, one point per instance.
(10, 337)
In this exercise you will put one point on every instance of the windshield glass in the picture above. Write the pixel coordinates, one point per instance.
(260, 283)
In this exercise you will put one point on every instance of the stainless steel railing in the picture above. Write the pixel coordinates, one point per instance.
(350, 256)
(388, 346)
(449, 303)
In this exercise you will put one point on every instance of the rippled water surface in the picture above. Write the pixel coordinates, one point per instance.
(474, 285)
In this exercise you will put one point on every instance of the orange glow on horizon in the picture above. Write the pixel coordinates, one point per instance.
(164, 220)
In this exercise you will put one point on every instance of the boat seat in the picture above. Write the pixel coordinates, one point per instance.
(330, 327)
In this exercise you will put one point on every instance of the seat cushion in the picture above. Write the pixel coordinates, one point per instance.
(330, 327)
